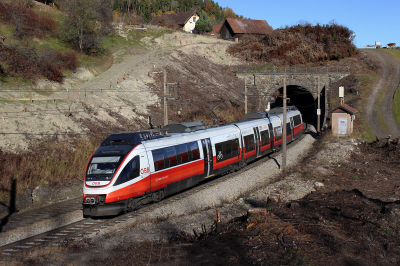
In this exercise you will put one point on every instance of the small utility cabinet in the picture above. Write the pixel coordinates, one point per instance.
(342, 119)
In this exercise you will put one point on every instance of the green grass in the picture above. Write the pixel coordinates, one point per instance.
(396, 101)
(379, 108)
(362, 129)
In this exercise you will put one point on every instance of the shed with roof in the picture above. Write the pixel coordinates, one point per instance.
(216, 29)
(182, 20)
(234, 28)
(342, 119)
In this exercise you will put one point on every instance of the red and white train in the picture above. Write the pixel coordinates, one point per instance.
(134, 168)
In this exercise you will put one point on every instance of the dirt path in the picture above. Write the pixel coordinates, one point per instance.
(389, 77)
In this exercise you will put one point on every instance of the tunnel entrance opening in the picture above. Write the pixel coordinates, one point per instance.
(304, 100)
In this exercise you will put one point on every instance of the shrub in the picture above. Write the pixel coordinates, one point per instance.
(26, 21)
(27, 63)
(298, 44)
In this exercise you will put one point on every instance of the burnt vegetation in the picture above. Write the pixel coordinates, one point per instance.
(300, 44)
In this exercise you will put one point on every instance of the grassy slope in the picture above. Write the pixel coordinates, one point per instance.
(396, 101)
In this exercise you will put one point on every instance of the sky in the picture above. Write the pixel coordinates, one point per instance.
(370, 20)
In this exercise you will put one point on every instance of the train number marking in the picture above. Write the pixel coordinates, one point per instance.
(145, 170)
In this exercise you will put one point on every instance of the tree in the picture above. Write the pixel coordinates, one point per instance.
(79, 26)
(209, 7)
(203, 24)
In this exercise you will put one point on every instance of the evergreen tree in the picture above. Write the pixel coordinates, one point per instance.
(203, 24)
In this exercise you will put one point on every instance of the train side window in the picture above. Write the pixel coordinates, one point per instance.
(183, 153)
(249, 143)
(194, 150)
(235, 148)
(264, 138)
(288, 129)
(171, 156)
(228, 149)
(158, 158)
(297, 120)
(130, 171)
(219, 152)
(278, 133)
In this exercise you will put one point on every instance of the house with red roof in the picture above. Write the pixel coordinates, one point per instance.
(234, 28)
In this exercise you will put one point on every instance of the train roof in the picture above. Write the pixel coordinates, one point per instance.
(255, 115)
(131, 138)
(184, 127)
(278, 110)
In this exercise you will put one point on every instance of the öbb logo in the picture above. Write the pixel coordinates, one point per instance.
(145, 170)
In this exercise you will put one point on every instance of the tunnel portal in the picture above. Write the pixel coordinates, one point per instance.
(304, 100)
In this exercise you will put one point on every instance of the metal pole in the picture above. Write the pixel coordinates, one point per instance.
(284, 124)
(245, 94)
(319, 107)
(165, 99)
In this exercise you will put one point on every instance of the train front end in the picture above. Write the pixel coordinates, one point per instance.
(117, 173)
(101, 172)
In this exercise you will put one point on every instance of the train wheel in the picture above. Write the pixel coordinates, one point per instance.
(157, 196)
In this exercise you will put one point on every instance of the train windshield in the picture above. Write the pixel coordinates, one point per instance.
(106, 159)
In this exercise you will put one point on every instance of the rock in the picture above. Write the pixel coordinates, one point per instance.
(41, 193)
(393, 212)
(275, 198)
(318, 184)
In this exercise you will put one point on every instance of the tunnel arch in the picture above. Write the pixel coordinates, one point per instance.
(304, 98)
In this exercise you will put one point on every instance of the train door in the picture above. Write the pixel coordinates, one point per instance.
(271, 135)
(145, 171)
(257, 136)
(292, 126)
(208, 156)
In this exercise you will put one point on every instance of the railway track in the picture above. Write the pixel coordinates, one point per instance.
(32, 216)
(78, 230)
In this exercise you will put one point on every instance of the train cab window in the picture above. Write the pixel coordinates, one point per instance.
(171, 156)
(296, 120)
(158, 158)
(183, 154)
(278, 133)
(264, 138)
(249, 143)
(288, 129)
(194, 150)
(130, 171)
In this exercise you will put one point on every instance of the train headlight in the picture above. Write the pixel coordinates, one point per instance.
(92, 200)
